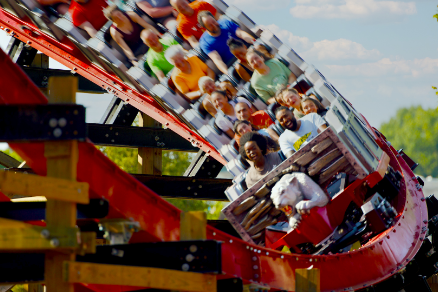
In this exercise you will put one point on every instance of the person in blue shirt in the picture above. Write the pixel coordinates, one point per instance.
(214, 40)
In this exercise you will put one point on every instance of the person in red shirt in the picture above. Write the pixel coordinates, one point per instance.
(88, 15)
(187, 20)
(259, 119)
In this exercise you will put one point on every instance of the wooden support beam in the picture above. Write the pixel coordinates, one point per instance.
(20, 236)
(62, 159)
(6, 288)
(307, 280)
(52, 188)
(8, 161)
(90, 273)
(193, 225)
(150, 159)
(35, 287)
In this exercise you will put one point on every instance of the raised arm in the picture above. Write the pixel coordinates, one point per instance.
(217, 60)
(245, 36)
(193, 41)
(289, 153)
(291, 78)
(322, 128)
(89, 28)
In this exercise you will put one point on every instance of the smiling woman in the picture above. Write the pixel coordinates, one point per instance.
(254, 148)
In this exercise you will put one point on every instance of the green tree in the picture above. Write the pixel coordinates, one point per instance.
(416, 131)
(175, 164)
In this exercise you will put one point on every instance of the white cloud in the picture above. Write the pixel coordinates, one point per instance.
(352, 9)
(340, 49)
(259, 4)
(298, 43)
(387, 67)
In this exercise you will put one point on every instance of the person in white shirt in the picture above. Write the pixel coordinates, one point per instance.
(297, 132)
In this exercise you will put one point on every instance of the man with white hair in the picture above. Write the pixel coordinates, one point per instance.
(187, 72)
(155, 56)
(207, 85)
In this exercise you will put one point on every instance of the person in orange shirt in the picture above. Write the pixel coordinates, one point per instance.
(187, 20)
(187, 71)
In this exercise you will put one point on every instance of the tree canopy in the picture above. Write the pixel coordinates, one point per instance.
(174, 163)
(416, 131)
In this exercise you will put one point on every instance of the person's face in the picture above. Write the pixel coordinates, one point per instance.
(242, 111)
(286, 119)
(240, 53)
(309, 107)
(228, 88)
(182, 6)
(211, 24)
(253, 151)
(118, 16)
(151, 40)
(243, 128)
(290, 99)
(255, 61)
(219, 101)
(179, 62)
(209, 87)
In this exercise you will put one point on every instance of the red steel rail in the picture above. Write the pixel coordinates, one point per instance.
(380, 258)
(67, 54)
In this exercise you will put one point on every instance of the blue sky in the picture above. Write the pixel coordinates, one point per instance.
(381, 55)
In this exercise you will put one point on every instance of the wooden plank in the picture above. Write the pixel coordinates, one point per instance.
(305, 158)
(35, 287)
(150, 159)
(88, 243)
(8, 161)
(307, 280)
(310, 155)
(321, 146)
(52, 188)
(433, 283)
(323, 161)
(20, 237)
(90, 273)
(327, 173)
(62, 159)
(193, 225)
(6, 288)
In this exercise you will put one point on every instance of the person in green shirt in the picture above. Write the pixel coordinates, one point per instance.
(269, 75)
(155, 56)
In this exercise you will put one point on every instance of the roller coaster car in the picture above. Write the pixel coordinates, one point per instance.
(348, 164)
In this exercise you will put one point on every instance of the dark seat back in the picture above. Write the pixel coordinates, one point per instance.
(271, 110)
(215, 128)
